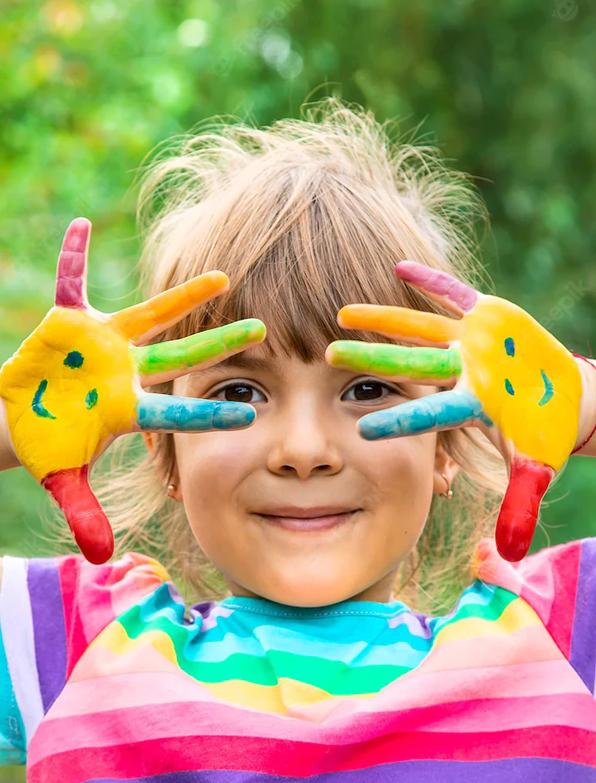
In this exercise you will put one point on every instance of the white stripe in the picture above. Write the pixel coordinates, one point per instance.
(17, 632)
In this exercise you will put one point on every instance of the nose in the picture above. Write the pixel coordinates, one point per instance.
(304, 444)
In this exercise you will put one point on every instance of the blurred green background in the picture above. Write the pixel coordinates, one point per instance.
(505, 90)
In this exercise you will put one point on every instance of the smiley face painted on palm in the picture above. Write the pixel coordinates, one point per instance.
(76, 383)
(84, 390)
(73, 359)
(507, 372)
(528, 382)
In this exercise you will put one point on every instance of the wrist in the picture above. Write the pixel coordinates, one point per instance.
(8, 458)
(586, 436)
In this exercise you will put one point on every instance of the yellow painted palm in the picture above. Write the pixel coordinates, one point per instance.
(509, 376)
(76, 383)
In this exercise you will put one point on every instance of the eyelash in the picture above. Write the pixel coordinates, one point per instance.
(364, 381)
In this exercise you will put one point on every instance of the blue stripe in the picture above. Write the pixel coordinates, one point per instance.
(12, 729)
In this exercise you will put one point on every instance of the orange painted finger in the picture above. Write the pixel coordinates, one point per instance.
(143, 321)
(413, 326)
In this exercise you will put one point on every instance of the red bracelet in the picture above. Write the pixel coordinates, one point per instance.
(594, 429)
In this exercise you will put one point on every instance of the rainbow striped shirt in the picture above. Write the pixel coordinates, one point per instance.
(106, 676)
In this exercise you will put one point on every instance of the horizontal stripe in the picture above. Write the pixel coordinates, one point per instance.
(518, 770)
(427, 687)
(303, 758)
(142, 724)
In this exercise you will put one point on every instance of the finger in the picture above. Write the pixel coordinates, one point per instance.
(528, 482)
(161, 362)
(89, 524)
(71, 272)
(146, 319)
(434, 412)
(415, 326)
(434, 366)
(440, 286)
(170, 413)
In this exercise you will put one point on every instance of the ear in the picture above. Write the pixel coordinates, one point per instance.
(149, 438)
(445, 468)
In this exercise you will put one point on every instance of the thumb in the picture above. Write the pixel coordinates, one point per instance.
(86, 518)
(528, 482)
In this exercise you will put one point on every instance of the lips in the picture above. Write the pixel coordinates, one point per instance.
(308, 519)
(302, 512)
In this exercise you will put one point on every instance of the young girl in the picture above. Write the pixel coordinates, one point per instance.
(311, 664)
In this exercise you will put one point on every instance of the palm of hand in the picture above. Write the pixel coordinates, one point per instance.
(73, 377)
(76, 383)
(527, 382)
(510, 377)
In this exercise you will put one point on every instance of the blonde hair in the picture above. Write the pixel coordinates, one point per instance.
(304, 216)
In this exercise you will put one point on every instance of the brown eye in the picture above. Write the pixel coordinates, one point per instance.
(239, 392)
(366, 390)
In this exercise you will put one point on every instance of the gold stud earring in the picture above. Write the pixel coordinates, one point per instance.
(449, 493)
(171, 490)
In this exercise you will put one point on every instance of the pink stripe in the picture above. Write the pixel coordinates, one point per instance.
(200, 752)
(75, 635)
(531, 644)
(177, 719)
(131, 689)
(551, 590)
(93, 595)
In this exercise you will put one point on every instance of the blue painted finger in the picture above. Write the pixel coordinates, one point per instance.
(185, 414)
(443, 410)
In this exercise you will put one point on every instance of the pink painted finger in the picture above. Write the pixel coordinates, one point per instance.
(528, 481)
(93, 534)
(71, 274)
(441, 286)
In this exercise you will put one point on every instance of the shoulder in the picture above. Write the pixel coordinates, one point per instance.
(51, 610)
(552, 574)
(559, 583)
(69, 600)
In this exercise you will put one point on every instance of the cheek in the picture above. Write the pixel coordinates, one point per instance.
(398, 466)
(211, 466)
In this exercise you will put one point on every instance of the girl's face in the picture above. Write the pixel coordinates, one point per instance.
(303, 455)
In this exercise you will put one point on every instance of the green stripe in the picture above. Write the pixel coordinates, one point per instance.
(335, 677)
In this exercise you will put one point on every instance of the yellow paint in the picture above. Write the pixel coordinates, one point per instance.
(545, 433)
(77, 434)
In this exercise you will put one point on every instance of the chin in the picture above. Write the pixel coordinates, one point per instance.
(311, 598)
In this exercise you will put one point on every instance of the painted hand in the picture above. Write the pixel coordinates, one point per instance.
(76, 383)
(505, 373)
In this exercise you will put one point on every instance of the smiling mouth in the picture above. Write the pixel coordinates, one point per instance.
(309, 520)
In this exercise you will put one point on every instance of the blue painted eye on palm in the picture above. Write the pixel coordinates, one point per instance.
(505, 374)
